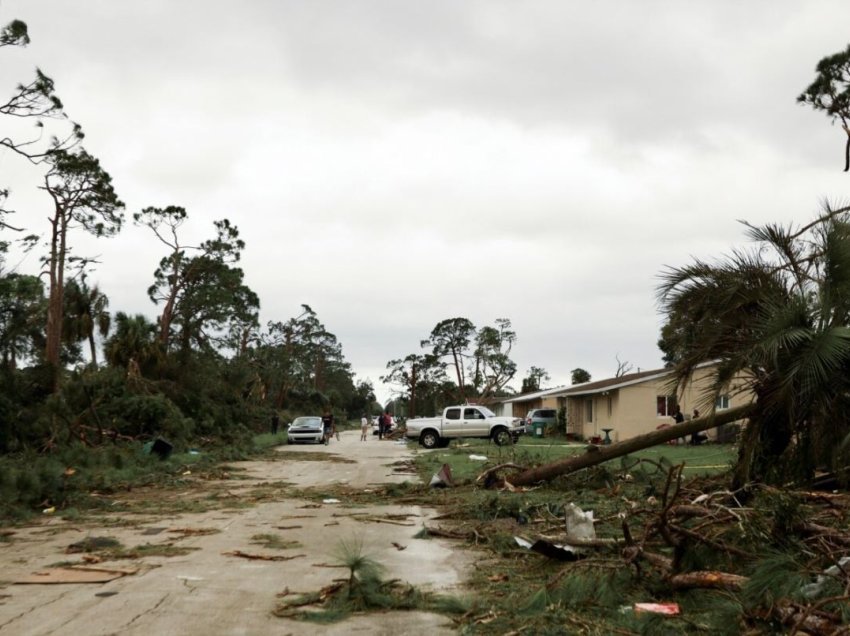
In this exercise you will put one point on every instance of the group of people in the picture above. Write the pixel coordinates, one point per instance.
(696, 438)
(385, 422)
(329, 426)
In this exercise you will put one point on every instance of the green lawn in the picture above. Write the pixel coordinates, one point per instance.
(706, 459)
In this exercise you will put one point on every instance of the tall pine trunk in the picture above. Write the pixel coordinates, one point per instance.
(55, 307)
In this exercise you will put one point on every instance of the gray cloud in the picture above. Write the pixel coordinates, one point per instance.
(396, 163)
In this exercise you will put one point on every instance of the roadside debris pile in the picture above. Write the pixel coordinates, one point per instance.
(659, 547)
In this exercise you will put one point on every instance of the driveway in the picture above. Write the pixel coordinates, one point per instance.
(207, 590)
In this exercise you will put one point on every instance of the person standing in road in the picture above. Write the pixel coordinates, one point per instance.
(388, 423)
(364, 427)
(381, 426)
(327, 426)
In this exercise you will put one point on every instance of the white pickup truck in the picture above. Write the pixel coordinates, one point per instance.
(464, 421)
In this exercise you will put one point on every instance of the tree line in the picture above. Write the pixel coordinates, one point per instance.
(203, 369)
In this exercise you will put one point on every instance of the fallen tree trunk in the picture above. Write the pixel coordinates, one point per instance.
(600, 454)
(707, 579)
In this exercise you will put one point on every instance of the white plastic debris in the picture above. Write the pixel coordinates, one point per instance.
(523, 543)
(330, 501)
(551, 550)
(813, 589)
(579, 523)
(478, 458)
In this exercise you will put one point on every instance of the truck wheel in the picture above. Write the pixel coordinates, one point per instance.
(429, 439)
(502, 437)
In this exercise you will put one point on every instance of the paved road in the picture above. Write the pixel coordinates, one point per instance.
(208, 592)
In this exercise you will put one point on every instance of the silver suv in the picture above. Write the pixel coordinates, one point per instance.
(547, 417)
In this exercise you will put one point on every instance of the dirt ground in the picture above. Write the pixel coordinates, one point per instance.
(209, 592)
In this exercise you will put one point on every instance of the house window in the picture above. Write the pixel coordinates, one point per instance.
(665, 405)
(588, 407)
(722, 402)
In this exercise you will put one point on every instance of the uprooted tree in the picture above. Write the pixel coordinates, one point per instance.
(778, 317)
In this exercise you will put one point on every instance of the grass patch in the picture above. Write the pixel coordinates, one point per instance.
(150, 550)
(274, 542)
(707, 459)
(67, 478)
(93, 544)
(110, 549)
(306, 456)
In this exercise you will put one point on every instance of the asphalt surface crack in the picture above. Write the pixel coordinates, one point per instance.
(32, 609)
(144, 613)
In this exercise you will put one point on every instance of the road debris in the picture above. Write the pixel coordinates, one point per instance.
(261, 557)
(551, 550)
(375, 519)
(75, 574)
(668, 609)
(193, 532)
(442, 478)
(579, 523)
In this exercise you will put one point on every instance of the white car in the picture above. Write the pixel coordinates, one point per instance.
(305, 429)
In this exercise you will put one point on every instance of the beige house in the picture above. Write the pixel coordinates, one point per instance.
(638, 403)
(626, 406)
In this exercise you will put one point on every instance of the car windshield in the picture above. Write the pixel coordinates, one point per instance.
(487, 412)
(307, 422)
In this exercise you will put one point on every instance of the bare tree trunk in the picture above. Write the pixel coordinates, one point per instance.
(93, 350)
(53, 334)
(460, 378)
(166, 318)
(600, 454)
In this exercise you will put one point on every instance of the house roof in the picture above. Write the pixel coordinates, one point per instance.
(590, 388)
(599, 386)
(525, 397)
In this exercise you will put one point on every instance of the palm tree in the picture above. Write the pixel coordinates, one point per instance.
(777, 315)
(85, 313)
(134, 340)
(22, 309)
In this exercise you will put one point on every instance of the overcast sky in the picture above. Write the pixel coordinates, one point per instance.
(396, 163)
